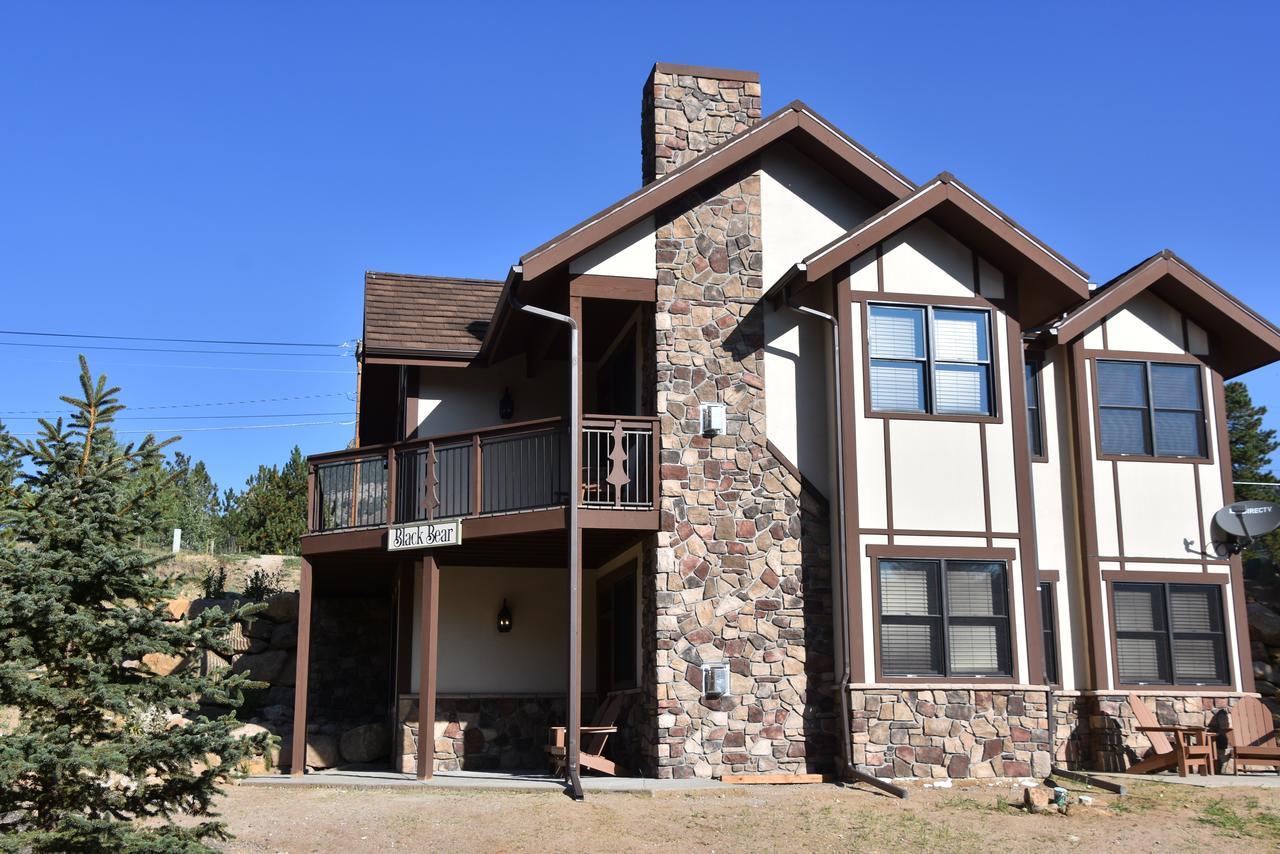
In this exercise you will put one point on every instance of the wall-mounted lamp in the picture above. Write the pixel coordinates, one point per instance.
(504, 618)
(506, 406)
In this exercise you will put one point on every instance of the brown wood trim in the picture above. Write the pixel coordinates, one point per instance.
(986, 479)
(1097, 673)
(1041, 364)
(1129, 576)
(1152, 457)
(1051, 576)
(1029, 558)
(1115, 491)
(1222, 438)
(853, 604)
(692, 174)
(344, 541)
(1117, 355)
(933, 532)
(941, 552)
(933, 302)
(1197, 561)
(302, 665)
(619, 520)
(428, 644)
(709, 73)
(550, 519)
(614, 287)
(464, 360)
(783, 460)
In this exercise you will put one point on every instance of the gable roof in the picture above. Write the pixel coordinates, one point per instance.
(1056, 283)
(1242, 339)
(796, 122)
(419, 317)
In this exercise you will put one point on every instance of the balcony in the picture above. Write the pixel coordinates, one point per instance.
(515, 476)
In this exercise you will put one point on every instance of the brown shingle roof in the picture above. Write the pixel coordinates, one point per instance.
(427, 313)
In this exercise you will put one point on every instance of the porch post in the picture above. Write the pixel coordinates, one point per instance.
(574, 710)
(298, 760)
(429, 595)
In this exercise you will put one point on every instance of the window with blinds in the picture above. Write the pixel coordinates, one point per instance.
(1150, 409)
(944, 618)
(1035, 419)
(1169, 634)
(1049, 629)
(929, 360)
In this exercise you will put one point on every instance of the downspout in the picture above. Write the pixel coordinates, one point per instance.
(573, 729)
(838, 566)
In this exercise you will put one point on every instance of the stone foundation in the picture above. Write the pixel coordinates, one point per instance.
(483, 733)
(934, 733)
(953, 732)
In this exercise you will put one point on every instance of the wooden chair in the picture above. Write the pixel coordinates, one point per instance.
(1252, 735)
(1190, 747)
(594, 738)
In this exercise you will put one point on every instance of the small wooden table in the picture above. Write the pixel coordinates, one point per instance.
(1192, 746)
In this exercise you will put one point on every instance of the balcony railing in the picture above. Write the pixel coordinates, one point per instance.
(507, 469)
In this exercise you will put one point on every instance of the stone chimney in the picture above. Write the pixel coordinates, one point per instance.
(688, 110)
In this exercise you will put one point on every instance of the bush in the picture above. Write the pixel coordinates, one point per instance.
(262, 585)
(214, 583)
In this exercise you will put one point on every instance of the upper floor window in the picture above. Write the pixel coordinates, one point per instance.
(1035, 410)
(944, 618)
(1169, 634)
(929, 359)
(1150, 409)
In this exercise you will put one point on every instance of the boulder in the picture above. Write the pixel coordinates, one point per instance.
(199, 606)
(288, 673)
(366, 743)
(1037, 798)
(1264, 624)
(162, 664)
(263, 666)
(248, 731)
(257, 628)
(322, 752)
(282, 607)
(176, 609)
(285, 635)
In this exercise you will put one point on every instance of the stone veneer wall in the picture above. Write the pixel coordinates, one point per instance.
(952, 732)
(483, 733)
(731, 583)
(973, 733)
(683, 116)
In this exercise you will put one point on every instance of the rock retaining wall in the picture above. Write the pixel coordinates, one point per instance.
(483, 733)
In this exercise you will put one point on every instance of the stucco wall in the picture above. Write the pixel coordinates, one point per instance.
(631, 253)
(451, 400)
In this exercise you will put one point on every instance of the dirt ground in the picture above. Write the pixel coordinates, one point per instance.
(797, 818)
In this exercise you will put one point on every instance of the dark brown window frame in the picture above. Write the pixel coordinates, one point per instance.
(1148, 359)
(894, 300)
(1035, 364)
(935, 556)
(1165, 579)
(1049, 631)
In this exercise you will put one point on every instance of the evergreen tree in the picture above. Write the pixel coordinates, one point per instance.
(190, 501)
(108, 747)
(1251, 449)
(271, 514)
(8, 470)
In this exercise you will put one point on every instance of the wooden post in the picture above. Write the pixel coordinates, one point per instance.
(311, 501)
(477, 472)
(391, 486)
(298, 761)
(429, 595)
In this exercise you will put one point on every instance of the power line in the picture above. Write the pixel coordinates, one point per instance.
(350, 372)
(347, 395)
(200, 417)
(169, 350)
(176, 430)
(173, 340)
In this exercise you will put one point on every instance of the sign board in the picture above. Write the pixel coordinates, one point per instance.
(424, 535)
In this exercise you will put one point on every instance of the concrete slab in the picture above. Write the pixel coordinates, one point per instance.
(517, 781)
(1217, 781)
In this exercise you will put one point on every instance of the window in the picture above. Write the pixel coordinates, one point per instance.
(1150, 409)
(1169, 634)
(1035, 415)
(617, 631)
(944, 618)
(1049, 628)
(930, 360)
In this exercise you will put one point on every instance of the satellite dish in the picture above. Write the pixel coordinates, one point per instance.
(1244, 521)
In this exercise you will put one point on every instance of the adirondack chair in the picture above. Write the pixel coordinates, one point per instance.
(1252, 735)
(594, 738)
(1182, 753)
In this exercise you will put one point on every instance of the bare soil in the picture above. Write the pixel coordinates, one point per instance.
(758, 818)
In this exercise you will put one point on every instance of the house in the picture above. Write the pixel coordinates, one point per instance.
(822, 469)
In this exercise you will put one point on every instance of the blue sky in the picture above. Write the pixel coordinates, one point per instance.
(229, 170)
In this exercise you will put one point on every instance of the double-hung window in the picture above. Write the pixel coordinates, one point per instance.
(927, 359)
(1049, 628)
(1169, 634)
(944, 618)
(1150, 409)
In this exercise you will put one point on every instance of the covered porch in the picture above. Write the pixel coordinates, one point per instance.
(472, 662)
